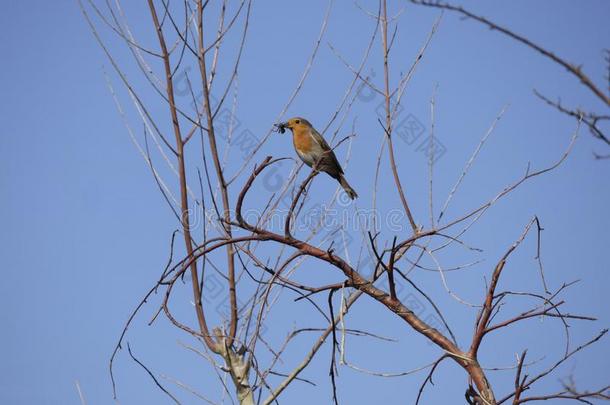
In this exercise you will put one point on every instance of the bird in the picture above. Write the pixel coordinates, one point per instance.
(314, 151)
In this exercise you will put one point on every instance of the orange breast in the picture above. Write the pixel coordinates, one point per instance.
(302, 140)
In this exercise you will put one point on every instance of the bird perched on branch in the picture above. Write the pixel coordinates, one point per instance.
(314, 151)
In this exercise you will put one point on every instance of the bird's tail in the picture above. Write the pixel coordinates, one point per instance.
(348, 189)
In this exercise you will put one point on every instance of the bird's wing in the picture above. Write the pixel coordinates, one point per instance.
(328, 162)
(319, 139)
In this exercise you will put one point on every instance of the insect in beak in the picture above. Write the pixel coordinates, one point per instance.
(281, 127)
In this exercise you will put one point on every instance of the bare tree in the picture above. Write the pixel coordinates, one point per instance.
(593, 120)
(237, 240)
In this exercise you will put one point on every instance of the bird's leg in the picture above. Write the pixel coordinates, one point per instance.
(316, 166)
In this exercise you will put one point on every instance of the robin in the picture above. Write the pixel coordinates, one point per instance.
(314, 151)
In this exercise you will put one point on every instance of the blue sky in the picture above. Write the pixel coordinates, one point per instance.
(86, 230)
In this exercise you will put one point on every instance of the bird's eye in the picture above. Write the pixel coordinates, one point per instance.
(297, 121)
